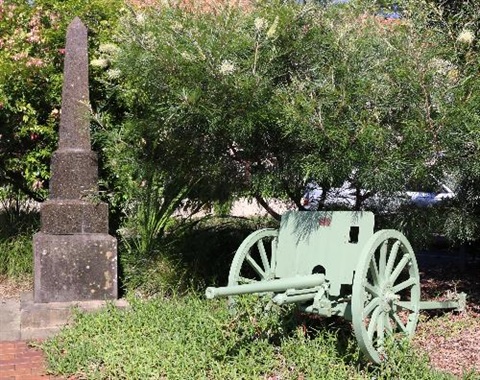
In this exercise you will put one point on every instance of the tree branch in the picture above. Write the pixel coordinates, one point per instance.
(265, 205)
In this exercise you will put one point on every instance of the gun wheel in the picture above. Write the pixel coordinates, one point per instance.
(385, 294)
(255, 259)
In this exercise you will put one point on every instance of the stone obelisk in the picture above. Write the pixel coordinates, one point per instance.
(75, 258)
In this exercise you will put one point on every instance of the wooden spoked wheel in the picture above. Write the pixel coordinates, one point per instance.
(255, 258)
(386, 293)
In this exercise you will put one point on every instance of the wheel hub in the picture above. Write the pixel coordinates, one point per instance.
(388, 298)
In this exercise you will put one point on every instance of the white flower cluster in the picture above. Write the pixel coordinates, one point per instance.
(273, 29)
(109, 49)
(260, 24)
(466, 37)
(140, 18)
(187, 56)
(101, 62)
(442, 66)
(114, 74)
(227, 67)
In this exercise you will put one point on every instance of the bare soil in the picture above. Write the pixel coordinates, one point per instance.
(13, 288)
(451, 339)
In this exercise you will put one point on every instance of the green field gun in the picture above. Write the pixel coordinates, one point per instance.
(334, 264)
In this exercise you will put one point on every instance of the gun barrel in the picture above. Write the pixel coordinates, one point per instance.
(276, 286)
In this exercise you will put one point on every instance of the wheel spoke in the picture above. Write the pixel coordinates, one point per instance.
(392, 258)
(372, 326)
(382, 263)
(388, 324)
(399, 323)
(263, 256)
(381, 329)
(372, 289)
(255, 266)
(371, 306)
(406, 305)
(403, 285)
(401, 265)
(374, 271)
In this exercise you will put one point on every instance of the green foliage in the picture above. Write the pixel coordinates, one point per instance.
(189, 256)
(19, 218)
(257, 100)
(179, 338)
(32, 41)
(405, 363)
(16, 260)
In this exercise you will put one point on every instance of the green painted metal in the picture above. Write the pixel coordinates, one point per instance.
(280, 285)
(332, 263)
(326, 241)
(458, 304)
(386, 292)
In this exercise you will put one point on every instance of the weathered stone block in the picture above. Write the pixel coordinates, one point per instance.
(75, 118)
(66, 217)
(78, 267)
(74, 174)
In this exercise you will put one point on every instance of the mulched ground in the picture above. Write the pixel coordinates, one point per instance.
(451, 339)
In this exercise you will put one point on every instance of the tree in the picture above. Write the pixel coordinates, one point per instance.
(250, 101)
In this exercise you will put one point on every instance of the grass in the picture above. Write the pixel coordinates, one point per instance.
(16, 258)
(189, 337)
(18, 221)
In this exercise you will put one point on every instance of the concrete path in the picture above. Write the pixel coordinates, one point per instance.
(23, 321)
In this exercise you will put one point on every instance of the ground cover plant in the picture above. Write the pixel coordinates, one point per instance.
(188, 337)
(19, 219)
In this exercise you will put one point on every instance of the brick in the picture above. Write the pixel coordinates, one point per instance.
(27, 361)
(6, 366)
(8, 371)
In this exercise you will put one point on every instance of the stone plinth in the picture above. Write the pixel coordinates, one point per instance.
(65, 217)
(75, 267)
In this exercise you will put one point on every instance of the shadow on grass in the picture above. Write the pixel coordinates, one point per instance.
(193, 255)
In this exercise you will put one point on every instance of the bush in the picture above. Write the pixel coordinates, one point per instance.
(32, 45)
(190, 256)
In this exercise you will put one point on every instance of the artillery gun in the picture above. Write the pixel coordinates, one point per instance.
(332, 263)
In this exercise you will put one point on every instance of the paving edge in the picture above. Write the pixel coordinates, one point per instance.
(30, 320)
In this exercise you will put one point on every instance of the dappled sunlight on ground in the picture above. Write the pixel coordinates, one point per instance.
(13, 288)
(451, 339)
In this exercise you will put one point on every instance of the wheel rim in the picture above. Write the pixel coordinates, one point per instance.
(255, 259)
(386, 293)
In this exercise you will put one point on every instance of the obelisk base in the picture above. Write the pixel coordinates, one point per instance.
(79, 267)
